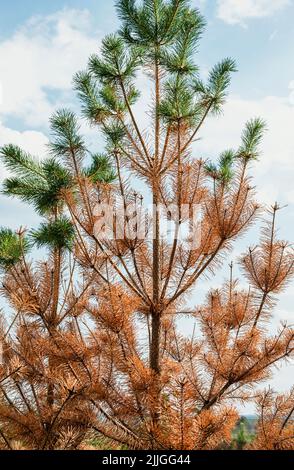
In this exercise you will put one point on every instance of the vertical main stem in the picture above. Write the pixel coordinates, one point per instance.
(53, 316)
(155, 309)
(54, 310)
(157, 121)
(156, 320)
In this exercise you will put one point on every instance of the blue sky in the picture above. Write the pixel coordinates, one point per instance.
(42, 44)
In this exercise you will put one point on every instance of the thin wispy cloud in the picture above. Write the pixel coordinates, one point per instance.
(39, 59)
(239, 11)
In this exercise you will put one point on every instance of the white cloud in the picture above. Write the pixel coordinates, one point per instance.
(236, 11)
(36, 67)
(42, 56)
(30, 141)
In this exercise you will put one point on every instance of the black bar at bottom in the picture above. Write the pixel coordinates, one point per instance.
(145, 459)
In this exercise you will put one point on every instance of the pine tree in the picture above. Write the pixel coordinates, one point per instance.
(147, 385)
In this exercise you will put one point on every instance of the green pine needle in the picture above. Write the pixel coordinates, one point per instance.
(223, 171)
(19, 162)
(66, 137)
(54, 234)
(214, 93)
(251, 139)
(100, 170)
(92, 107)
(43, 189)
(12, 247)
(178, 102)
